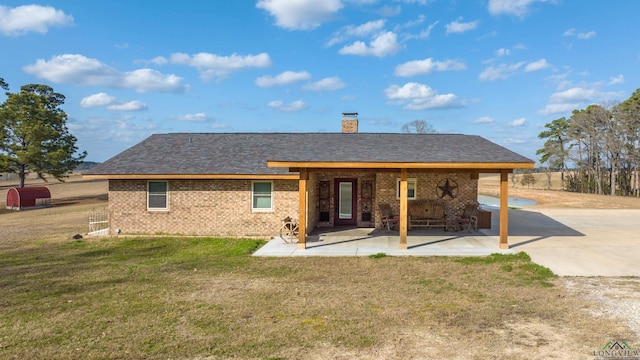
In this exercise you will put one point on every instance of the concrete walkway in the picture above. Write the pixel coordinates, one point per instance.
(571, 242)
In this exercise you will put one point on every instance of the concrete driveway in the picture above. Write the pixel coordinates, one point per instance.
(577, 242)
(571, 242)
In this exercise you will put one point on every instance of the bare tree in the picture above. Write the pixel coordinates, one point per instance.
(528, 179)
(419, 127)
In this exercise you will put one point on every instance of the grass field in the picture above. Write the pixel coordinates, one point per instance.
(489, 184)
(206, 298)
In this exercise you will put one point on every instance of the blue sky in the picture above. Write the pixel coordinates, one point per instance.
(500, 69)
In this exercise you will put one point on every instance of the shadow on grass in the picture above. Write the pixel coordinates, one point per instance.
(82, 266)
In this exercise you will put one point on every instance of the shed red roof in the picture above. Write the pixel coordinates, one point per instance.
(36, 192)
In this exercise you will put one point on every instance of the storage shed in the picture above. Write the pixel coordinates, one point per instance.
(28, 197)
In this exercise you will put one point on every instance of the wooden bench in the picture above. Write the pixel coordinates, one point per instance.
(427, 214)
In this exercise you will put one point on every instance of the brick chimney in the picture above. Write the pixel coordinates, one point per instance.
(349, 122)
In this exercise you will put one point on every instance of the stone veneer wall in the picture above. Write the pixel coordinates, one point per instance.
(427, 188)
(349, 125)
(200, 207)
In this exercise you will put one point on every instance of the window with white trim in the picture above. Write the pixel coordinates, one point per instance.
(262, 196)
(411, 188)
(157, 195)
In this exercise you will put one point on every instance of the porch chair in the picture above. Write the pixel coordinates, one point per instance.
(469, 218)
(386, 215)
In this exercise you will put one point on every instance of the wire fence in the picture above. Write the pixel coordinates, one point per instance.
(99, 222)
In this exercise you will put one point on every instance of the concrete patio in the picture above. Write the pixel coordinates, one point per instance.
(367, 241)
(571, 242)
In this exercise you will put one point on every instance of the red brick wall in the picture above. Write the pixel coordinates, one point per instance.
(223, 207)
(200, 207)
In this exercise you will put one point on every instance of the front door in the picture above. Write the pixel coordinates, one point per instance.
(346, 202)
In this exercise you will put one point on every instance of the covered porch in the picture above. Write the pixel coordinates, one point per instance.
(401, 168)
(415, 181)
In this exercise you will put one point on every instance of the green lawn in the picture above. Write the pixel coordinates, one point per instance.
(201, 298)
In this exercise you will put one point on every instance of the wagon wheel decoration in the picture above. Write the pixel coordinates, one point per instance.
(447, 189)
(289, 230)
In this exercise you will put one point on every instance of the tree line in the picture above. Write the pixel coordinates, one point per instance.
(596, 149)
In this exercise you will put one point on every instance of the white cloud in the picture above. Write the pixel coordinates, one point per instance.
(327, 84)
(582, 36)
(419, 2)
(616, 79)
(382, 45)
(300, 14)
(389, 11)
(483, 120)
(575, 94)
(415, 96)
(218, 126)
(500, 72)
(134, 105)
(537, 65)
(560, 80)
(424, 34)
(518, 122)
(559, 108)
(295, 106)
(411, 23)
(111, 103)
(460, 27)
(427, 66)
(21, 20)
(364, 30)
(97, 100)
(159, 60)
(587, 35)
(148, 80)
(81, 70)
(578, 96)
(503, 52)
(75, 69)
(519, 8)
(212, 66)
(285, 78)
(197, 117)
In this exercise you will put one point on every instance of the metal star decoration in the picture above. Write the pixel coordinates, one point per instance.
(448, 189)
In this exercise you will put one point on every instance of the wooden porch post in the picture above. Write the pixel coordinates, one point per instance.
(403, 209)
(302, 209)
(504, 209)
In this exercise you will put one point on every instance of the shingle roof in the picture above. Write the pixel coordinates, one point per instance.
(248, 153)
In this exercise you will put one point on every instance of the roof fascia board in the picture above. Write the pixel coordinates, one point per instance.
(398, 165)
(193, 176)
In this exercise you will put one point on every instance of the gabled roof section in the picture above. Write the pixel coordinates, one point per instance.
(235, 155)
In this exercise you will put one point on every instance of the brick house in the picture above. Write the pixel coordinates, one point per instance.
(244, 184)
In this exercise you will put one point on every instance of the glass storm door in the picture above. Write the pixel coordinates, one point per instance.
(345, 202)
